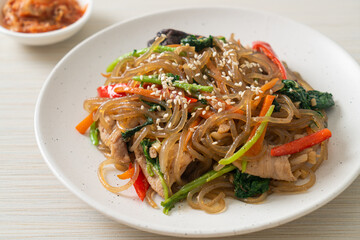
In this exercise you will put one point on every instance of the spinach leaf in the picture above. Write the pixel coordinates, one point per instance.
(153, 106)
(323, 100)
(146, 145)
(129, 133)
(247, 185)
(297, 93)
(198, 43)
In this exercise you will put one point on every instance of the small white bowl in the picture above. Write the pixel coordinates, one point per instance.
(50, 37)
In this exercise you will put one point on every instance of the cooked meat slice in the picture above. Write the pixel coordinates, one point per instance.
(154, 181)
(270, 167)
(117, 147)
(181, 164)
(224, 127)
(172, 36)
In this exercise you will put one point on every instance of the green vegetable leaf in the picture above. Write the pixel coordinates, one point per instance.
(222, 39)
(153, 106)
(247, 185)
(137, 53)
(129, 133)
(146, 144)
(153, 165)
(323, 99)
(94, 134)
(298, 94)
(198, 43)
(277, 106)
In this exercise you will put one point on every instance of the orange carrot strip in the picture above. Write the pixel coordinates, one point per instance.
(174, 45)
(85, 124)
(264, 88)
(256, 148)
(190, 133)
(127, 174)
(135, 90)
(227, 106)
(106, 75)
(309, 130)
(207, 114)
(269, 85)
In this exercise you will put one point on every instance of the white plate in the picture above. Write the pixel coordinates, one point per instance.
(74, 160)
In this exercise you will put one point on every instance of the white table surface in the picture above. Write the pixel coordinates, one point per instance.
(34, 204)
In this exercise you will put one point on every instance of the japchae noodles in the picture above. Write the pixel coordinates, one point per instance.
(204, 118)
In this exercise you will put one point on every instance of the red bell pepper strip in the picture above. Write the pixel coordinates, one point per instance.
(301, 143)
(269, 52)
(108, 91)
(141, 185)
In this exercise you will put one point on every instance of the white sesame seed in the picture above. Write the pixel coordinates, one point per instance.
(142, 107)
(214, 54)
(257, 97)
(204, 112)
(207, 108)
(271, 91)
(158, 108)
(197, 75)
(214, 143)
(185, 106)
(205, 77)
(220, 110)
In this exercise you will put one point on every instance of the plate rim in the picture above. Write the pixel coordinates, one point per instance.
(68, 184)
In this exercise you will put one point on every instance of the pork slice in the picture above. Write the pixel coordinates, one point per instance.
(154, 181)
(118, 147)
(270, 167)
(181, 164)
